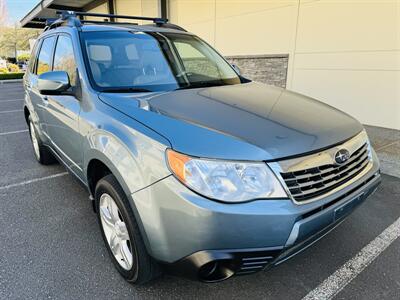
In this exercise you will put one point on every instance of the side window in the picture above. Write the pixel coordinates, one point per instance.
(44, 59)
(31, 63)
(64, 59)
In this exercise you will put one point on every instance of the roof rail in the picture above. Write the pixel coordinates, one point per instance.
(170, 26)
(107, 22)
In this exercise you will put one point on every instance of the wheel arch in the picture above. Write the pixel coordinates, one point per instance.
(99, 165)
(26, 114)
(96, 170)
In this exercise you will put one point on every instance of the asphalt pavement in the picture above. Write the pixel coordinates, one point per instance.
(51, 247)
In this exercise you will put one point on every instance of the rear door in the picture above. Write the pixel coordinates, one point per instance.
(42, 65)
(63, 110)
(30, 74)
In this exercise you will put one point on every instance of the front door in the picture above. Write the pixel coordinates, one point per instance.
(63, 110)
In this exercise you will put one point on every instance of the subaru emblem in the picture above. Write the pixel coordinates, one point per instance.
(342, 156)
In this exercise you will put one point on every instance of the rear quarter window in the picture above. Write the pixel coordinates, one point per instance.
(32, 60)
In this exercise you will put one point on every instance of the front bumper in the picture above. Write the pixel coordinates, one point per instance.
(186, 232)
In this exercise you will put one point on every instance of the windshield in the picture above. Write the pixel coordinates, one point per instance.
(136, 61)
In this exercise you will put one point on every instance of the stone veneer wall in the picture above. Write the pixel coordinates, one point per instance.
(270, 69)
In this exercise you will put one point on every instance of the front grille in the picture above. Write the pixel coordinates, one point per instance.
(311, 183)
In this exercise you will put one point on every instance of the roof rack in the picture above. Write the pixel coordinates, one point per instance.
(158, 21)
(74, 19)
(66, 19)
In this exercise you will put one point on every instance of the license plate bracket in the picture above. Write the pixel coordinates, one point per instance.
(346, 208)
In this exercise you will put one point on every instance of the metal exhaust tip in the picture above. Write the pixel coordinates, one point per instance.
(216, 271)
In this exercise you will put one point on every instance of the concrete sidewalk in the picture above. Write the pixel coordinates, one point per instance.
(386, 143)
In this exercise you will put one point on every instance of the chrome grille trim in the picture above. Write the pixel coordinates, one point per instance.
(313, 177)
(323, 172)
(321, 177)
(329, 185)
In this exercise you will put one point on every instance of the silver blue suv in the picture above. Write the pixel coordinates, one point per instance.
(192, 168)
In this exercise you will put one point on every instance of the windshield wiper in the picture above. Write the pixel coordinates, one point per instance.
(200, 85)
(126, 90)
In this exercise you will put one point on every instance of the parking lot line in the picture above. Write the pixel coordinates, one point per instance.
(13, 132)
(32, 181)
(11, 100)
(343, 276)
(10, 111)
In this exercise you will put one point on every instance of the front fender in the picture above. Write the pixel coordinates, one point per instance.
(136, 160)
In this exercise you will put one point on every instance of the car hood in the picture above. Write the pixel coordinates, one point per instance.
(271, 122)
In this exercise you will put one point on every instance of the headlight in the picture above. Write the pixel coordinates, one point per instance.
(228, 181)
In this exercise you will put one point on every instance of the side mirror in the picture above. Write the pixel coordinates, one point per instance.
(237, 69)
(53, 83)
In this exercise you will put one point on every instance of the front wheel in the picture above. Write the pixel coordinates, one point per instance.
(121, 233)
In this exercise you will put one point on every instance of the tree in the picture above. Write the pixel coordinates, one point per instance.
(24, 57)
(15, 38)
(3, 13)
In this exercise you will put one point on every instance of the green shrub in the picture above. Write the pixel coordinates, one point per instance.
(8, 76)
(13, 68)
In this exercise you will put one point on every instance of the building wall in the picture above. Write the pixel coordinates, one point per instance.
(100, 9)
(129, 7)
(148, 8)
(345, 53)
(269, 69)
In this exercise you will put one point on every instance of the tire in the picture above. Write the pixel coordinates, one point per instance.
(138, 268)
(42, 154)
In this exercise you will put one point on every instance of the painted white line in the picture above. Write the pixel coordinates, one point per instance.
(11, 81)
(12, 91)
(343, 276)
(32, 181)
(15, 100)
(10, 111)
(388, 145)
(13, 132)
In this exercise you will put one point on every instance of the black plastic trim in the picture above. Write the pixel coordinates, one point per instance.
(248, 261)
(191, 265)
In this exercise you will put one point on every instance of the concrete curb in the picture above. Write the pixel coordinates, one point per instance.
(390, 168)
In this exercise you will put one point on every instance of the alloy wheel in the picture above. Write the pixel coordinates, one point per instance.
(115, 231)
(35, 141)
